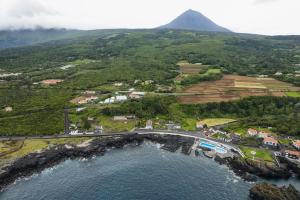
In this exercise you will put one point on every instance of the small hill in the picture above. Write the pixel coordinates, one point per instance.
(193, 20)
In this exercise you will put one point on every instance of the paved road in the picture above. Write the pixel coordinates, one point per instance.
(62, 136)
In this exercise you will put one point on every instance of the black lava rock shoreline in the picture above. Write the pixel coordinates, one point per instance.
(265, 191)
(37, 162)
(249, 170)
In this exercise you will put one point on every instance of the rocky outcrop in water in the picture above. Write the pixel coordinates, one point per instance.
(172, 143)
(36, 162)
(249, 169)
(291, 165)
(265, 191)
(262, 169)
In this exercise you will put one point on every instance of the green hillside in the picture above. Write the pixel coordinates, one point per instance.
(96, 60)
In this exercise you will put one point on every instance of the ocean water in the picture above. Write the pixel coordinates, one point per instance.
(144, 172)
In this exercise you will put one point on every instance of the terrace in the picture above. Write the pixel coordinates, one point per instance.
(233, 87)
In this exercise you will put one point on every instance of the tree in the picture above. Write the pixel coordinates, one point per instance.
(86, 123)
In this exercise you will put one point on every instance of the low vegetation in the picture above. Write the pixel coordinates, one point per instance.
(216, 121)
(258, 154)
(15, 149)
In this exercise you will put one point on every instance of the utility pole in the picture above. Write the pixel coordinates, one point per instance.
(66, 121)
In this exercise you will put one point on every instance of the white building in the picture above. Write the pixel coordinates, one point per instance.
(80, 109)
(98, 130)
(149, 125)
(172, 126)
(121, 98)
(75, 132)
(110, 100)
(118, 84)
(8, 109)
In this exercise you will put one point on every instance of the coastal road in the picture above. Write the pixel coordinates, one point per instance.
(62, 136)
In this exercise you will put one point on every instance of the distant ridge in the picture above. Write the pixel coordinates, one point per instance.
(24, 37)
(193, 20)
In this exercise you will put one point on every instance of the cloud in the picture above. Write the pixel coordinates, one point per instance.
(263, 1)
(248, 16)
(29, 8)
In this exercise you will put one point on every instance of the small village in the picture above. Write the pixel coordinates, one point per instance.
(265, 140)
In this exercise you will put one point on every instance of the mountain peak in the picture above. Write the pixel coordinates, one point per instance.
(194, 20)
(191, 11)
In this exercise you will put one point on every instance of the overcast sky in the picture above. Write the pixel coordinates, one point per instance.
(268, 17)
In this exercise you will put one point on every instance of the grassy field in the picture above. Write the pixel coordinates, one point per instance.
(293, 94)
(219, 136)
(33, 145)
(234, 87)
(212, 71)
(189, 124)
(108, 123)
(260, 154)
(216, 121)
(285, 141)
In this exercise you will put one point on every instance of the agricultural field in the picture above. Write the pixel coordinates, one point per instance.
(234, 87)
(188, 68)
(216, 121)
(293, 94)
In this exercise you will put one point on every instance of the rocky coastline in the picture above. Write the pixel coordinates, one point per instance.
(249, 170)
(37, 162)
(265, 191)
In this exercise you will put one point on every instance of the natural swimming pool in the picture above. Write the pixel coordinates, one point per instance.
(216, 148)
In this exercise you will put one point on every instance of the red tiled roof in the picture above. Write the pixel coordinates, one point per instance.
(295, 153)
(270, 140)
(51, 81)
(297, 143)
(252, 131)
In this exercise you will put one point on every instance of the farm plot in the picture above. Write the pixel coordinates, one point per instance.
(188, 68)
(234, 87)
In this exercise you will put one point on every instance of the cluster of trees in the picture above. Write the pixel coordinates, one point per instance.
(280, 113)
(35, 112)
(290, 79)
(146, 108)
(153, 54)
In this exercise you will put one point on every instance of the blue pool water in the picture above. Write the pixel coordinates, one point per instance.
(212, 147)
(134, 173)
(208, 145)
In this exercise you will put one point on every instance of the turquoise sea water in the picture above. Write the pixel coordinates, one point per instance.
(144, 172)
